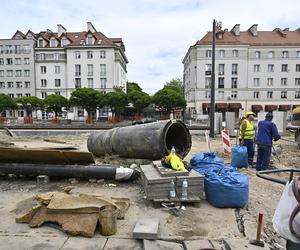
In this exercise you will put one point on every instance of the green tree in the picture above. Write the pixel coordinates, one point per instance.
(30, 103)
(117, 101)
(168, 99)
(130, 86)
(55, 103)
(176, 84)
(6, 103)
(88, 99)
(139, 100)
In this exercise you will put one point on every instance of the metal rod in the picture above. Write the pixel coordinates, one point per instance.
(212, 94)
(264, 175)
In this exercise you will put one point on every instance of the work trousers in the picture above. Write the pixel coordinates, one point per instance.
(263, 157)
(250, 150)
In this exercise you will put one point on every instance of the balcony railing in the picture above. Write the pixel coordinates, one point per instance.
(50, 57)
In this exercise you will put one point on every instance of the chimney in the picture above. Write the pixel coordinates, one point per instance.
(225, 30)
(253, 30)
(236, 30)
(90, 27)
(286, 29)
(60, 29)
(280, 32)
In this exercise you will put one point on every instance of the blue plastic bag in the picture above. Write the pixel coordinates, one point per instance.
(239, 157)
(224, 186)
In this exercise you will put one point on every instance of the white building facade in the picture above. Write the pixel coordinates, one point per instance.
(253, 70)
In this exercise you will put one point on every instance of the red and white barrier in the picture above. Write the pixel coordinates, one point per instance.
(226, 142)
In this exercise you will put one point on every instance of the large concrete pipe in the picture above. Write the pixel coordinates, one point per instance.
(145, 141)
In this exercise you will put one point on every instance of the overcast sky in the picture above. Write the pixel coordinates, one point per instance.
(156, 33)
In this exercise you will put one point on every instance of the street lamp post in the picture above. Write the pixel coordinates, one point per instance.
(212, 94)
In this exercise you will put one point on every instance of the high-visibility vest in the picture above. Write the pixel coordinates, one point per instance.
(249, 132)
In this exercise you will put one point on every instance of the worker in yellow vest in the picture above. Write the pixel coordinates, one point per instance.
(247, 135)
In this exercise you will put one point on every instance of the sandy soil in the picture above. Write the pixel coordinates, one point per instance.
(203, 222)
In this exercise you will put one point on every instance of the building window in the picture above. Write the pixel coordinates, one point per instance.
(234, 82)
(26, 61)
(2, 85)
(64, 42)
(18, 61)
(257, 54)
(207, 82)
(26, 72)
(77, 83)
(57, 69)
(271, 54)
(52, 43)
(298, 54)
(11, 95)
(27, 94)
(284, 67)
(10, 85)
(43, 70)
(19, 95)
(89, 40)
(1, 73)
(89, 54)
(221, 94)
(235, 53)
(234, 94)
(9, 61)
(270, 94)
(18, 73)
(43, 83)
(297, 67)
(283, 81)
(27, 85)
(207, 94)
(221, 83)
(256, 82)
(77, 54)
(90, 83)
(221, 69)
(103, 83)
(285, 54)
(256, 95)
(19, 85)
(207, 69)
(234, 69)
(26, 49)
(77, 70)
(270, 82)
(40, 43)
(256, 67)
(90, 69)
(208, 53)
(297, 94)
(102, 69)
(221, 53)
(1, 49)
(102, 54)
(297, 81)
(9, 73)
(44, 95)
(270, 67)
(1, 61)
(57, 93)
(9, 49)
(283, 94)
(57, 82)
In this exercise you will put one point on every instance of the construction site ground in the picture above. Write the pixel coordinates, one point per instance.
(194, 223)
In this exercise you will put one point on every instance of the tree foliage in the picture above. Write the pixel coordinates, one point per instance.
(117, 101)
(176, 84)
(131, 86)
(88, 99)
(30, 103)
(6, 103)
(168, 99)
(139, 99)
(55, 103)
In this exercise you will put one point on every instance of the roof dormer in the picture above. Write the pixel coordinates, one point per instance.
(30, 35)
(64, 40)
(53, 42)
(90, 39)
(41, 42)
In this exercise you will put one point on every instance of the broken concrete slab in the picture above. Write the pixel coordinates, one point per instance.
(202, 244)
(146, 228)
(232, 244)
(123, 244)
(161, 245)
(80, 243)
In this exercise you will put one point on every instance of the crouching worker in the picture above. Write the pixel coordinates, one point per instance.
(173, 161)
(267, 132)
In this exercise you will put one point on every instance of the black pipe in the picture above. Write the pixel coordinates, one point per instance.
(70, 171)
(264, 174)
(144, 141)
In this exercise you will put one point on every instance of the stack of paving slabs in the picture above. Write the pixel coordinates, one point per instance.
(77, 215)
(157, 183)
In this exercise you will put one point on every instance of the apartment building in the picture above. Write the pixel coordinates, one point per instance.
(254, 70)
(59, 62)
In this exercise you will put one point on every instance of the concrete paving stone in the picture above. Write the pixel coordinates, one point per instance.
(82, 243)
(31, 242)
(151, 175)
(161, 245)
(146, 228)
(232, 244)
(123, 244)
(196, 244)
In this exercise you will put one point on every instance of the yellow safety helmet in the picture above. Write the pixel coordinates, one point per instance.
(249, 113)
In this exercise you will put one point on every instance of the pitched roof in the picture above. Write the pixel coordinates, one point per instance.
(276, 37)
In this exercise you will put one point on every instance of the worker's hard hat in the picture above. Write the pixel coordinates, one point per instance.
(249, 113)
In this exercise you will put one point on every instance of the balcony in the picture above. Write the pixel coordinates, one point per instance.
(50, 57)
